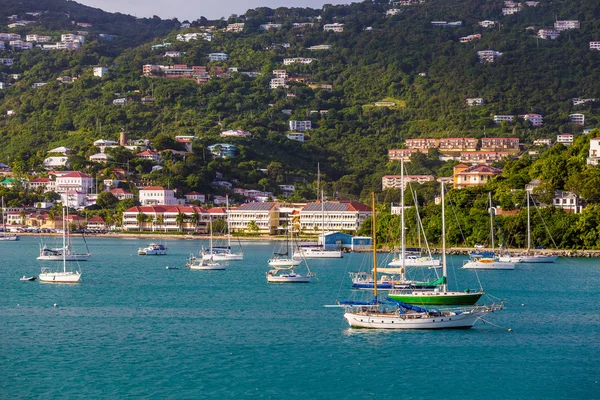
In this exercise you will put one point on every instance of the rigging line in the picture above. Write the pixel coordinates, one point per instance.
(497, 326)
(544, 222)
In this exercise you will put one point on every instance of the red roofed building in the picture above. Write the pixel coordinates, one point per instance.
(164, 218)
(476, 175)
(121, 194)
(74, 181)
(46, 184)
(96, 224)
(149, 155)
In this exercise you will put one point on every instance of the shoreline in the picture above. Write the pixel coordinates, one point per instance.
(384, 249)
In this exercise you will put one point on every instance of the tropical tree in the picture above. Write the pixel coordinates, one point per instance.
(140, 220)
(180, 219)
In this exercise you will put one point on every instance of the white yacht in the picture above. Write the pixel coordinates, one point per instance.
(153, 249)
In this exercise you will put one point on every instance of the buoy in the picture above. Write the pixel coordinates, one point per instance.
(55, 304)
(510, 329)
(522, 305)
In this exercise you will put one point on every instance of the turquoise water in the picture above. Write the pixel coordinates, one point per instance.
(134, 329)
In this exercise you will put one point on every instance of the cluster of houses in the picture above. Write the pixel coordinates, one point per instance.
(68, 41)
(559, 26)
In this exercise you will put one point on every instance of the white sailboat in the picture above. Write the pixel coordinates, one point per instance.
(4, 237)
(318, 251)
(282, 258)
(287, 274)
(529, 257)
(58, 276)
(492, 262)
(376, 315)
(222, 253)
(200, 264)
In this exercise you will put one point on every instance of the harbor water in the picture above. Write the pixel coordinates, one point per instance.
(133, 328)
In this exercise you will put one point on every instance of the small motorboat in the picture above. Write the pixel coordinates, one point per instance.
(28, 278)
(171, 267)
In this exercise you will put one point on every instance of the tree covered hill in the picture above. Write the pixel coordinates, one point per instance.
(425, 70)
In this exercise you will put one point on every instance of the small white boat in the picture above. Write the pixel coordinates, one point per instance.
(416, 260)
(56, 254)
(199, 264)
(538, 258)
(287, 275)
(153, 249)
(510, 259)
(171, 267)
(27, 278)
(487, 263)
(284, 262)
(316, 251)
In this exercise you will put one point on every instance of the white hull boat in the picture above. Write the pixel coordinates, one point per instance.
(59, 276)
(510, 259)
(288, 277)
(199, 264)
(56, 254)
(223, 256)
(488, 263)
(284, 262)
(9, 238)
(153, 249)
(416, 261)
(317, 253)
(456, 319)
(538, 258)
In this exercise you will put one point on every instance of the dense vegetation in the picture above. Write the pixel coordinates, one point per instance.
(424, 68)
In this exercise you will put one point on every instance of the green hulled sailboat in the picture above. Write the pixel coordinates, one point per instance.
(440, 295)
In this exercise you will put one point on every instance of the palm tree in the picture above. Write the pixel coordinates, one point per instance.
(140, 220)
(180, 219)
(160, 220)
(195, 220)
(149, 219)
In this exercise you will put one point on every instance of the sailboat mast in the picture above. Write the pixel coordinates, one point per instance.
(444, 268)
(491, 220)
(64, 249)
(374, 236)
(402, 226)
(322, 220)
(528, 224)
(227, 214)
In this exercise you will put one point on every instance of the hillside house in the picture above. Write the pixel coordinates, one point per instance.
(476, 175)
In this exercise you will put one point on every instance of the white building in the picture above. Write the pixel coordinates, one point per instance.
(542, 142)
(217, 57)
(7, 61)
(299, 60)
(503, 118)
(53, 162)
(488, 56)
(153, 195)
(237, 27)
(395, 181)
(100, 71)
(476, 101)
(487, 24)
(564, 25)
(195, 196)
(333, 216)
(300, 126)
(548, 34)
(335, 27)
(565, 138)
(595, 45)
(577, 119)
(510, 10)
(320, 47)
(100, 158)
(235, 133)
(535, 119)
(577, 102)
(76, 180)
(299, 137)
(568, 201)
(278, 82)
(594, 156)
(269, 26)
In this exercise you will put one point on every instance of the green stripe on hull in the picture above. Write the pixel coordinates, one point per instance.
(455, 299)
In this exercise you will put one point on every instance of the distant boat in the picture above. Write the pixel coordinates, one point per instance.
(286, 273)
(171, 267)
(153, 249)
(4, 237)
(58, 253)
(58, 276)
(488, 260)
(27, 278)
(222, 253)
(200, 264)
(282, 258)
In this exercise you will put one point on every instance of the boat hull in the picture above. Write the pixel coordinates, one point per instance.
(9, 238)
(68, 257)
(284, 262)
(437, 298)
(416, 262)
(407, 321)
(476, 264)
(318, 254)
(538, 259)
(59, 277)
(152, 252)
(207, 267)
(510, 259)
(223, 257)
(291, 278)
